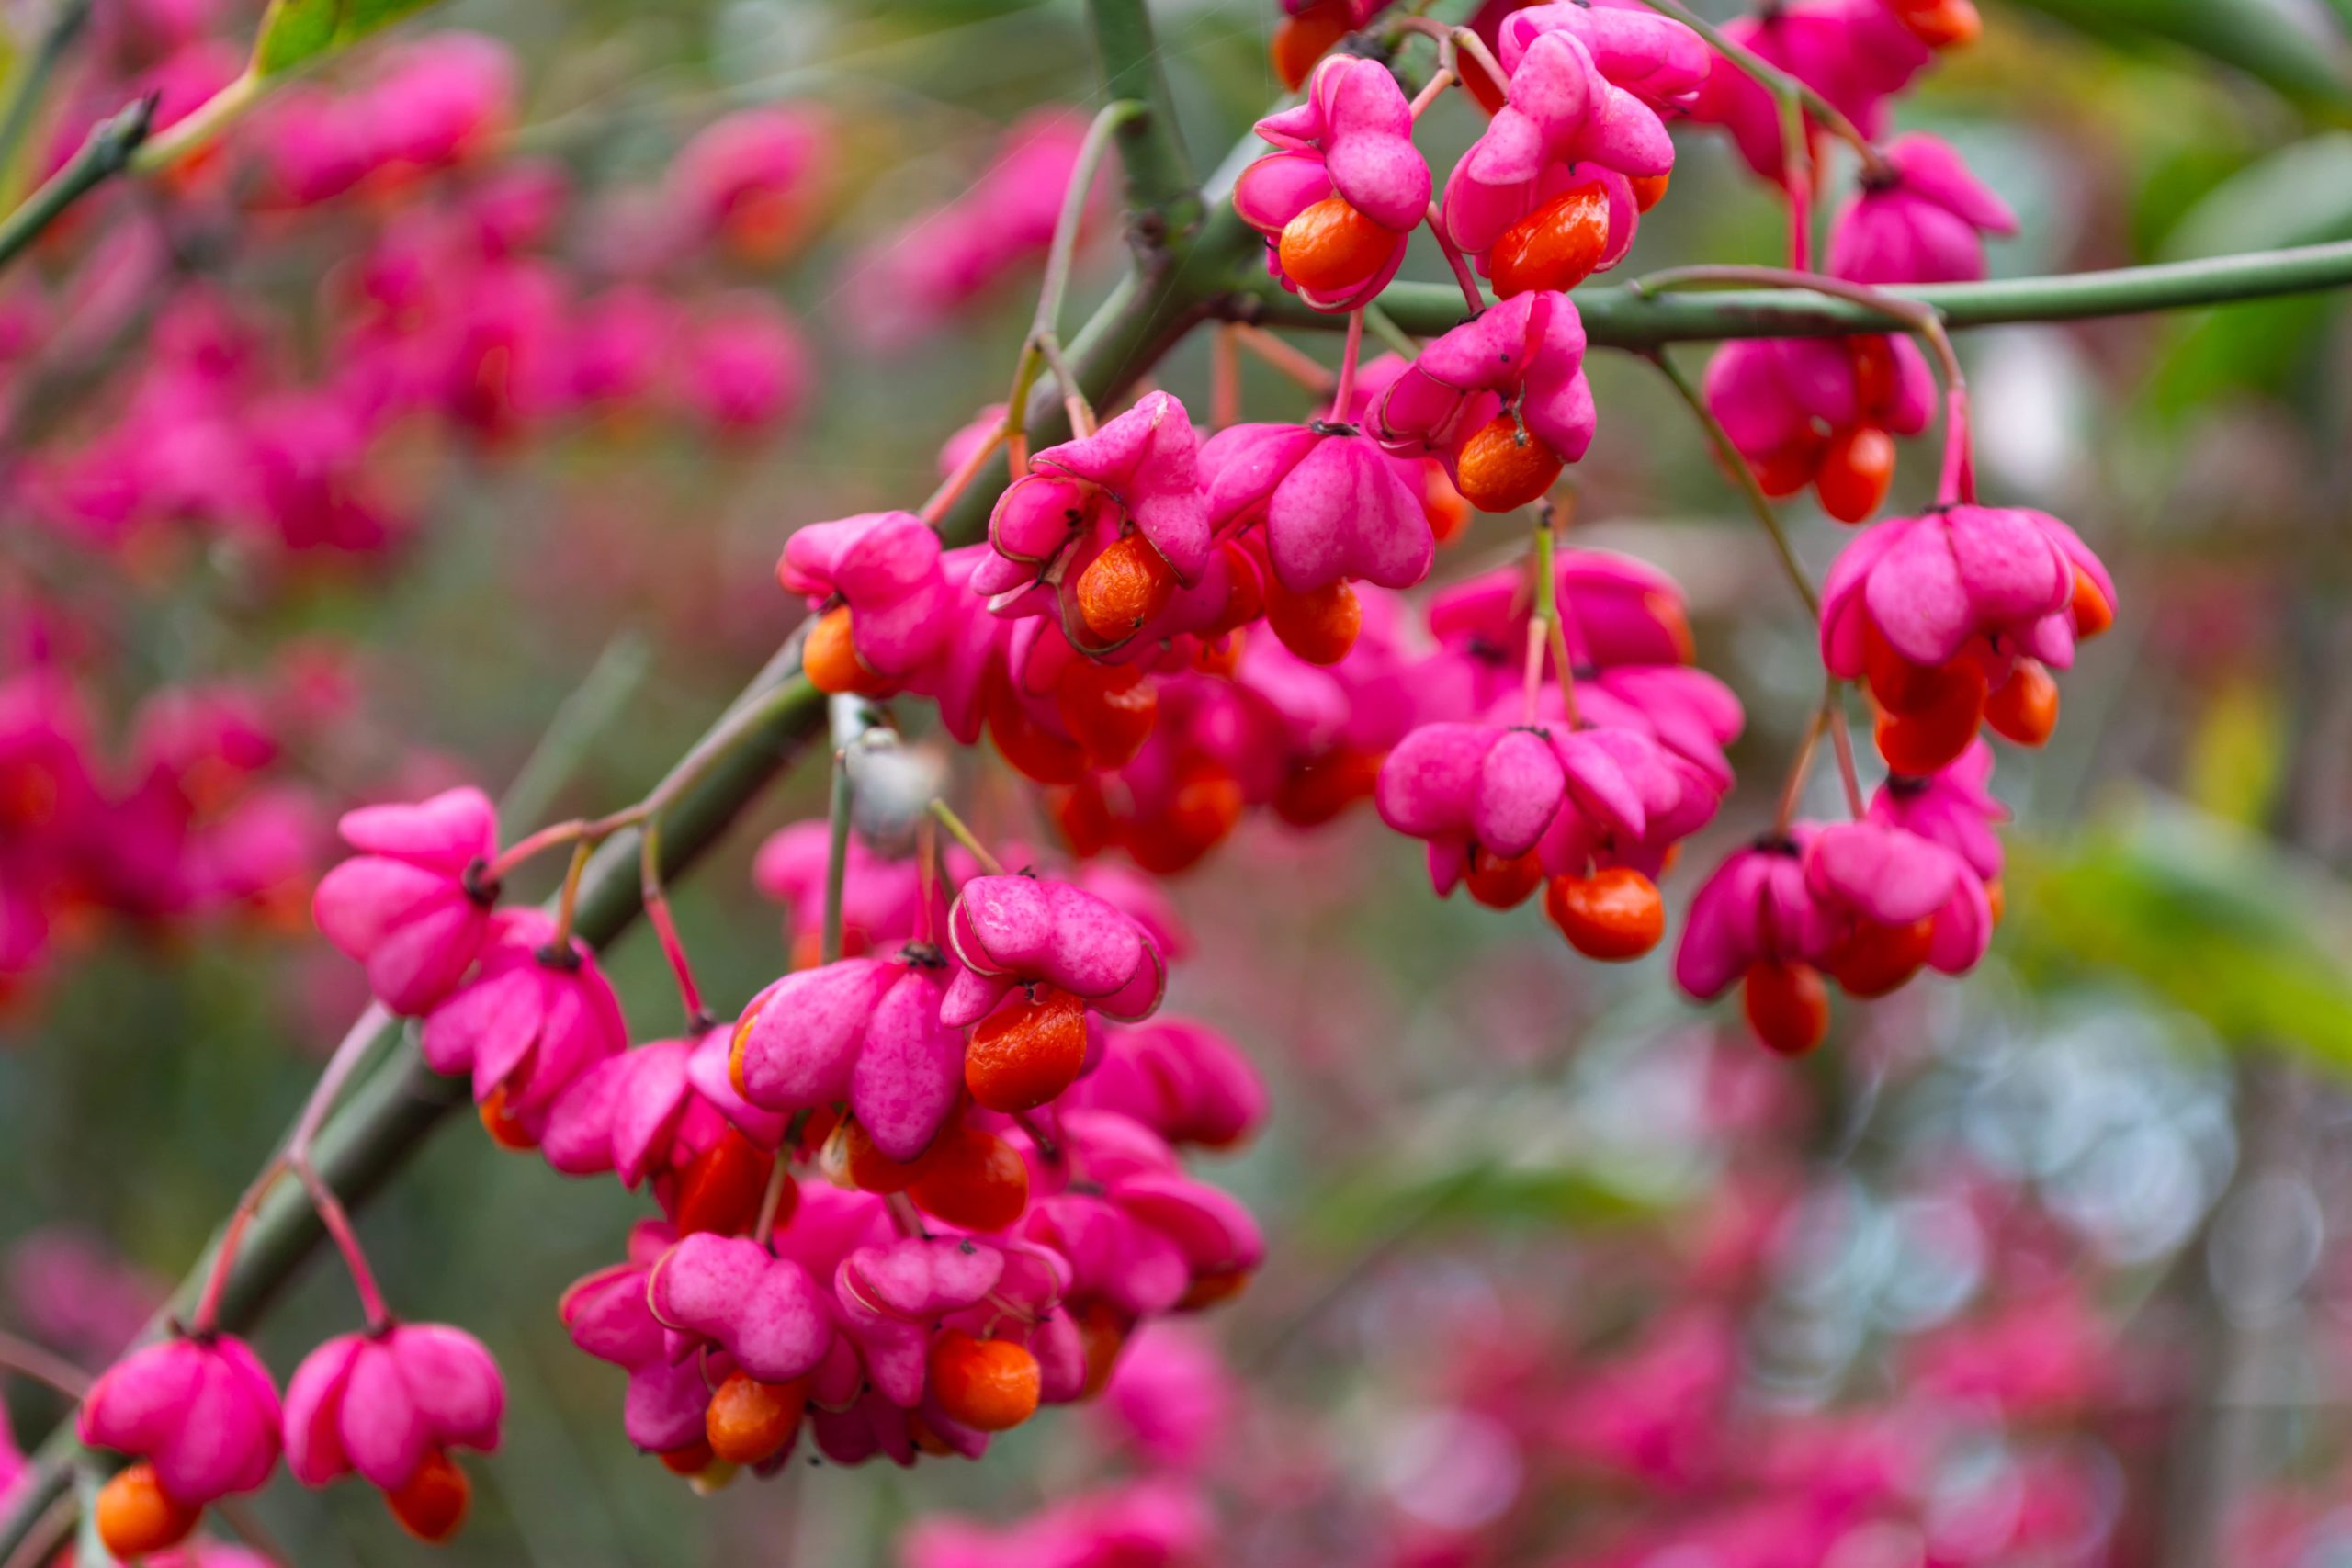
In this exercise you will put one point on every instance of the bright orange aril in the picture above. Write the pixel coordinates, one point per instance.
(1027, 1051)
(828, 658)
(1503, 468)
(719, 1190)
(2092, 613)
(1555, 247)
(1877, 959)
(1305, 38)
(1501, 884)
(136, 1516)
(1614, 915)
(972, 1179)
(991, 1385)
(2025, 708)
(1926, 739)
(1108, 709)
(750, 1421)
(1319, 626)
(1331, 248)
(1787, 1006)
(432, 1504)
(505, 1129)
(1854, 472)
(1122, 588)
(1648, 190)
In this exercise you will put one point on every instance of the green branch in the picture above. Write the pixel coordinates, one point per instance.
(103, 154)
(1163, 198)
(1623, 317)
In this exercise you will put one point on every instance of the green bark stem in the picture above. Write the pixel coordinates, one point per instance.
(1621, 317)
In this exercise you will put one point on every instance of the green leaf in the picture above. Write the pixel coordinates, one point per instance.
(2273, 40)
(2220, 922)
(2300, 195)
(1481, 1192)
(294, 33)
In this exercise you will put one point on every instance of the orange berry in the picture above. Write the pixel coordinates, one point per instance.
(828, 658)
(1208, 1290)
(721, 1188)
(1500, 884)
(1122, 588)
(1245, 600)
(1788, 470)
(1876, 959)
(1941, 24)
(2092, 613)
(1331, 248)
(1319, 627)
(1787, 1006)
(1443, 504)
(1220, 657)
(1317, 792)
(1555, 246)
(851, 1160)
(1613, 915)
(989, 1384)
(432, 1504)
(505, 1128)
(1305, 38)
(1996, 899)
(692, 1459)
(1897, 685)
(1027, 1051)
(1104, 1331)
(1083, 815)
(136, 1516)
(1034, 751)
(2025, 708)
(1502, 467)
(1854, 472)
(972, 1179)
(1922, 740)
(1207, 804)
(1108, 709)
(1873, 362)
(1648, 190)
(750, 1421)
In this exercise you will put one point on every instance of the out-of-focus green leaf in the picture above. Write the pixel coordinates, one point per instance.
(2301, 195)
(1482, 1191)
(2219, 922)
(2238, 751)
(2272, 40)
(296, 32)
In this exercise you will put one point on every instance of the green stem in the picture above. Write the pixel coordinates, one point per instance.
(965, 837)
(1161, 190)
(200, 128)
(1058, 257)
(103, 154)
(1773, 80)
(29, 82)
(1625, 318)
(837, 846)
(1745, 478)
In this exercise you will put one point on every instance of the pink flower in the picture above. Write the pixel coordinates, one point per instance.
(729, 1295)
(1755, 908)
(1171, 1396)
(860, 1030)
(1984, 586)
(1482, 794)
(1140, 1234)
(1856, 53)
(883, 568)
(750, 177)
(1910, 901)
(442, 99)
(1022, 931)
(1803, 411)
(1565, 119)
(1340, 200)
(1925, 222)
(204, 1412)
(1331, 506)
(608, 1316)
(946, 258)
(527, 1024)
(1518, 364)
(881, 898)
(650, 1110)
(1951, 807)
(1137, 474)
(1149, 1524)
(411, 905)
(745, 369)
(1183, 1079)
(1652, 56)
(382, 1403)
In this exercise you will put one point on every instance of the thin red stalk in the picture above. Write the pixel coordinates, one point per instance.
(1794, 790)
(1429, 91)
(1471, 296)
(347, 1240)
(954, 484)
(1225, 379)
(1300, 367)
(1842, 740)
(1344, 392)
(656, 900)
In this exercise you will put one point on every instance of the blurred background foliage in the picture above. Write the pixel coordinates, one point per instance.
(1464, 1111)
